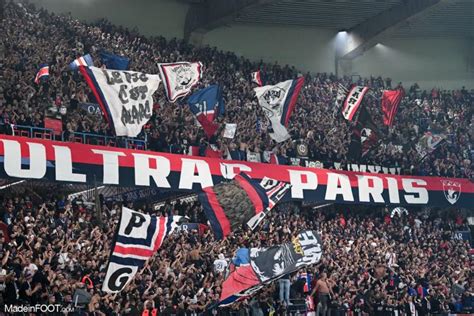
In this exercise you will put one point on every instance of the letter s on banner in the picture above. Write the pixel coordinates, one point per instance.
(422, 192)
(13, 161)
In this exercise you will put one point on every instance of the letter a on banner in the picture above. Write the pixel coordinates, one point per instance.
(125, 97)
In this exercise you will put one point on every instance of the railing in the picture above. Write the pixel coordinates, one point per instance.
(79, 137)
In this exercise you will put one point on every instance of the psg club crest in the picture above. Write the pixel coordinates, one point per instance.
(183, 75)
(273, 96)
(452, 190)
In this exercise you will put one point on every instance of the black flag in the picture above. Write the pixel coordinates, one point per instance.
(365, 135)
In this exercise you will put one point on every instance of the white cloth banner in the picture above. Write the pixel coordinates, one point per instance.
(230, 129)
(179, 78)
(139, 236)
(272, 100)
(353, 101)
(125, 96)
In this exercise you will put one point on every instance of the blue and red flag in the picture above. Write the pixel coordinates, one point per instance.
(206, 105)
(231, 204)
(43, 73)
(278, 102)
(85, 60)
(138, 237)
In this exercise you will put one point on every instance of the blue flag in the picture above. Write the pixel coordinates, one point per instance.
(207, 104)
(116, 62)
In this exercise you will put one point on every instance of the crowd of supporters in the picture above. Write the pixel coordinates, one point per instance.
(35, 36)
(54, 250)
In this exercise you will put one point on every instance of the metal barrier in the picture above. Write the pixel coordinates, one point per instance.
(79, 137)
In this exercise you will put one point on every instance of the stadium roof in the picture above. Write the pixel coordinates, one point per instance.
(427, 17)
(368, 21)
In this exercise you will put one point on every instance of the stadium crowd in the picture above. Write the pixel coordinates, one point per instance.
(55, 251)
(34, 36)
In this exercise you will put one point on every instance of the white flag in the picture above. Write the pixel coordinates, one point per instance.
(125, 97)
(230, 129)
(278, 102)
(179, 78)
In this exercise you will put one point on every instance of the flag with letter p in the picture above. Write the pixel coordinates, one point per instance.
(278, 102)
(138, 237)
(125, 97)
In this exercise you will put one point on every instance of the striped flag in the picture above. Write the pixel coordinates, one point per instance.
(228, 205)
(139, 236)
(352, 101)
(43, 72)
(341, 95)
(85, 60)
(257, 78)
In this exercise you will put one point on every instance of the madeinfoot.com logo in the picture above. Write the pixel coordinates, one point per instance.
(38, 308)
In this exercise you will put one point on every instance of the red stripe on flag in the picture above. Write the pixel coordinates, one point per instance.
(216, 207)
(296, 91)
(96, 94)
(253, 195)
(161, 233)
(133, 251)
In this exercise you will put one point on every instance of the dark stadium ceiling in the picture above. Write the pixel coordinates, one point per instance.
(450, 18)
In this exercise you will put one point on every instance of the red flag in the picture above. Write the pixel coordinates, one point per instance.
(54, 124)
(209, 126)
(390, 102)
(213, 152)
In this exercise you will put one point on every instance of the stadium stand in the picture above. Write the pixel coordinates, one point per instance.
(54, 250)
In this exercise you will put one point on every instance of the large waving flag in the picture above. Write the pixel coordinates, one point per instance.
(353, 100)
(390, 101)
(43, 73)
(269, 264)
(229, 205)
(85, 60)
(179, 78)
(138, 237)
(278, 102)
(207, 104)
(125, 97)
(112, 61)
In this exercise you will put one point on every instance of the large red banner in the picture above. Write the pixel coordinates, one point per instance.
(24, 158)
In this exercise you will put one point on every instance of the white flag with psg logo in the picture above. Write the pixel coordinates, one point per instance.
(278, 102)
(179, 78)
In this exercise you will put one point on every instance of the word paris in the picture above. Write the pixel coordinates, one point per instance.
(77, 163)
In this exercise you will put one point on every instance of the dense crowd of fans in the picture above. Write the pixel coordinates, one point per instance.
(53, 250)
(35, 36)
(58, 250)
